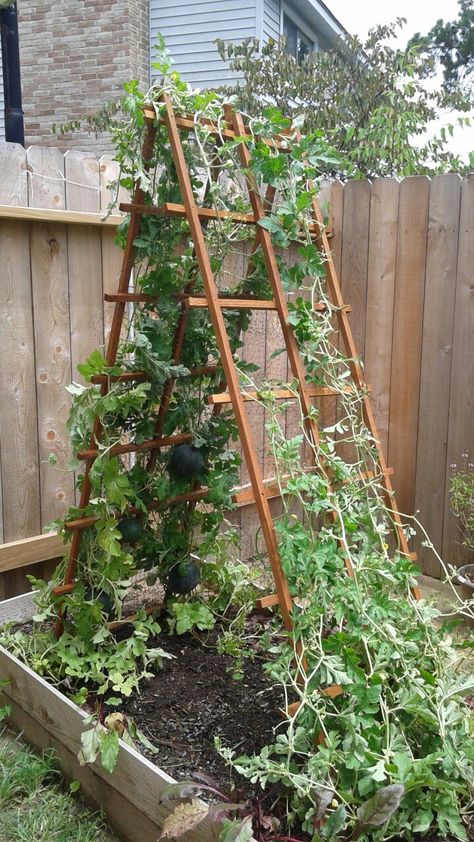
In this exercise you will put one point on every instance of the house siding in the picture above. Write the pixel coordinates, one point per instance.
(271, 20)
(190, 28)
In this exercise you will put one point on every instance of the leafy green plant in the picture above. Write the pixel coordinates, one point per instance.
(369, 99)
(461, 495)
(102, 740)
(391, 743)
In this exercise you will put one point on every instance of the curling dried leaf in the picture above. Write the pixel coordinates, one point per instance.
(175, 792)
(183, 818)
(378, 809)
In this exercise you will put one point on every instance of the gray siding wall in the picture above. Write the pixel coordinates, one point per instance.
(271, 20)
(189, 28)
(2, 101)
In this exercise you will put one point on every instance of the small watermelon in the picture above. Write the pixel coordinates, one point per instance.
(131, 529)
(186, 462)
(183, 578)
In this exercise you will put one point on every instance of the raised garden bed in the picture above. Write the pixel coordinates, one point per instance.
(129, 797)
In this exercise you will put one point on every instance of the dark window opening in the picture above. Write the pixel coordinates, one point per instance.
(297, 44)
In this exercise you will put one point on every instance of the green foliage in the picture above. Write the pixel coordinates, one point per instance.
(370, 100)
(185, 616)
(461, 495)
(394, 750)
(34, 804)
(452, 44)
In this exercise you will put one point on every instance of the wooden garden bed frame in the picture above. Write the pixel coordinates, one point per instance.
(129, 797)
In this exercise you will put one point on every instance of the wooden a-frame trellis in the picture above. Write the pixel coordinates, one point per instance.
(231, 392)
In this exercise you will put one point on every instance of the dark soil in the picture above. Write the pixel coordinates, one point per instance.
(195, 698)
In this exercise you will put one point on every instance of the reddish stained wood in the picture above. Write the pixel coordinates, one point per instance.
(150, 444)
(228, 363)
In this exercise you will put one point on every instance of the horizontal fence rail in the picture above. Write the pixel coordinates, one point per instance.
(404, 252)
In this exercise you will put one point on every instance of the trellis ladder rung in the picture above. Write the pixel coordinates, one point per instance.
(130, 376)
(232, 303)
(186, 497)
(151, 444)
(131, 297)
(279, 394)
(207, 214)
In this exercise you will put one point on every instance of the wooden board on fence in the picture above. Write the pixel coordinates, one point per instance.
(130, 796)
(32, 550)
(407, 330)
(461, 403)
(112, 255)
(84, 259)
(19, 442)
(380, 297)
(355, 246)
(442, 245)
(49, 278)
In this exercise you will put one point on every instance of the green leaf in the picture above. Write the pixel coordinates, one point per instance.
(109, 749)
(237, 830)
(379, 809)
(335, 823)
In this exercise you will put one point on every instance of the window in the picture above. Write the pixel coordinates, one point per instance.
(297, 43)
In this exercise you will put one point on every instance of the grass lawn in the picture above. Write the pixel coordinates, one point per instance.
(35, 803)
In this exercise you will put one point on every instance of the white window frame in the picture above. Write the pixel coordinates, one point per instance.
(299, 22)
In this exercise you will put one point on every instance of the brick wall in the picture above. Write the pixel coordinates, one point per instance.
(75, 55)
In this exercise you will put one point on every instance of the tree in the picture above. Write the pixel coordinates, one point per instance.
(371, 101)
(452, 44)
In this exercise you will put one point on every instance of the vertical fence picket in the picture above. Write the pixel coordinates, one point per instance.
(407, 333)
(49, 278)
(355, 247)
(18, 431)
(380, 297)
(84, 259)
(461, 398)
(430, 478)
(112, 255)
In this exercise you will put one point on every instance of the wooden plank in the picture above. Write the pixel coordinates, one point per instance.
(461, 396)
(407, 333)
(18, 431)
(278, 394)
(130, 796)
(227, 359)
(69, 217)
(380, 297)
(84, 259)
(18, 609)
(52, 334)
(32, 550)
(112, 255)
(355, 248)
(232, 303)
(173, 209)
(438, 317)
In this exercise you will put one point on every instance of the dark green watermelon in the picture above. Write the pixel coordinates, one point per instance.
(183, 578)
(186, 462)
(131, 529)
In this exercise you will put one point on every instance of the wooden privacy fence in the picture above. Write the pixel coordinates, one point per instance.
(405, 256)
